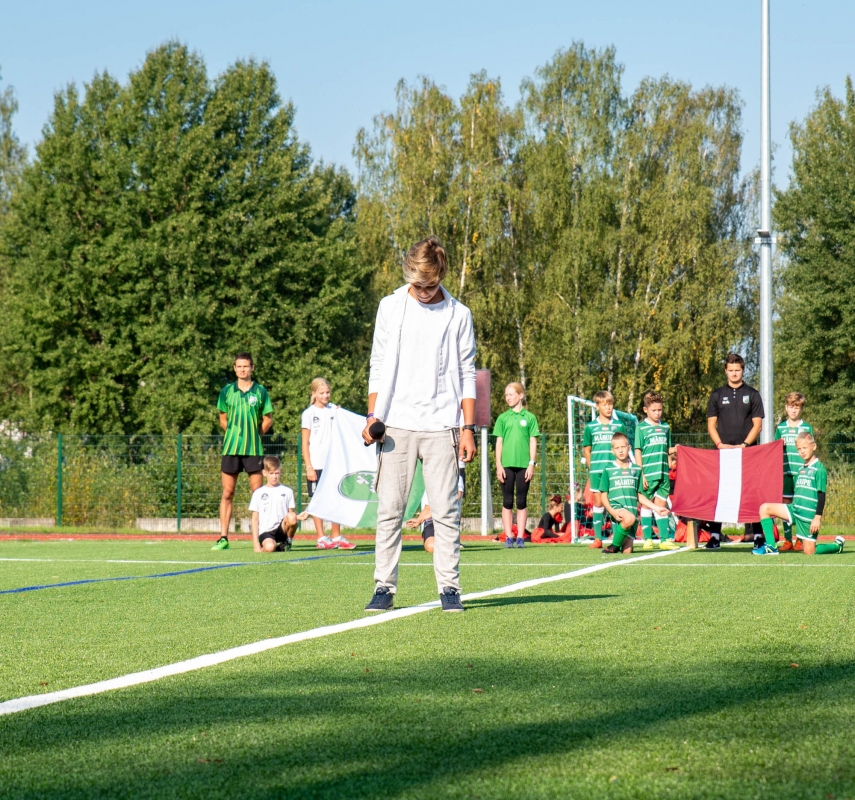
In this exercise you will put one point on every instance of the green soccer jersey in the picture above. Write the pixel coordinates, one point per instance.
(598, 437)
(810, 479)
(654, 441)
(516, 429)
(243, 411)
(792, 460)
(621, 485)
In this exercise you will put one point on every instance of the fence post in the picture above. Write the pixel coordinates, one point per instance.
(299, 473)
(59, 480)
(178, 487)
(542, 473)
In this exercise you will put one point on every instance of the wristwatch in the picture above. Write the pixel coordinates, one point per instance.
(532, 463)
(469, 428)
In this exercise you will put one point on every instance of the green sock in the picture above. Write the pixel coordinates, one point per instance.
(828, 549)
(619, 536)
(599, 513)
(768, 531)
(788, 531)
(647, 526)
(662, 527)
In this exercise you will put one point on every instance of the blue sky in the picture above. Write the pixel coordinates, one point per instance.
(339, 62)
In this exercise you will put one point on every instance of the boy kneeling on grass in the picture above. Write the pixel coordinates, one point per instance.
(272, 507)
(620, 493)
(806, 509)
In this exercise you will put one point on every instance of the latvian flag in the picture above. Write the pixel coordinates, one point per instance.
(728, 485)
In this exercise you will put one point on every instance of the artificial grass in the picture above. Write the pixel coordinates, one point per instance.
(668, 677)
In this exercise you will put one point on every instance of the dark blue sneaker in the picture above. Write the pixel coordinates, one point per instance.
(509, 541)
(383, 600)
(520, 541)
(713, 544)
(450, 599)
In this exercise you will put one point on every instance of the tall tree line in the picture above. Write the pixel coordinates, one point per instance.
(600, 239)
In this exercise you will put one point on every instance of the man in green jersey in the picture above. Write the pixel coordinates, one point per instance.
(245, 414)
(652, 446)
(597, 447)
(788, 429)
(620, 489)
(805, 512)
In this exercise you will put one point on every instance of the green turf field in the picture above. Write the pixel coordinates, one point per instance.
(692, 674)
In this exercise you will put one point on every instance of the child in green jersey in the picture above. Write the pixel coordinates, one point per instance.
(516, 435)
(597, 447)
(788, 429)
(652, 446)
(807, 506)
(246, 413)
(620, 493)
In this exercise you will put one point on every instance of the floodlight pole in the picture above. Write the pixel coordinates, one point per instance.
(764, 235)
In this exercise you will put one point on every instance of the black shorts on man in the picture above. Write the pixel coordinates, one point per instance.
(427, 530)
(313, 485)
(232, 465)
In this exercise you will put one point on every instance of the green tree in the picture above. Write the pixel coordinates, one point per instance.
(815, 341)
(13, 154)
(164, 225)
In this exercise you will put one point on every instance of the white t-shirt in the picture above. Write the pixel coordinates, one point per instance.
(319, 422)
(272, 504)
(418, 401)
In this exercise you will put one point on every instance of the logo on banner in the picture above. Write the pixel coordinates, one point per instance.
(358, 486)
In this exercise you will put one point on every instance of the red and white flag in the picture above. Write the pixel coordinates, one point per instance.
(728, 485)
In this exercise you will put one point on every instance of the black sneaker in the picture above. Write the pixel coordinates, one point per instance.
(713, 544)
(450, 599)
(383, 600)
(610, 549)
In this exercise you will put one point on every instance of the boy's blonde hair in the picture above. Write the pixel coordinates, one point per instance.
(315, 386)
(806, 436)
(795, 399)
(618, 436)
(603, 395)
(271, 463)
(519, 389)
(426, 262)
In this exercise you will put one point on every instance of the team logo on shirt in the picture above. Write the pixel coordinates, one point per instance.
(252, 400)
(358, 486)
(523, 423)
(745, 399)
(725, 401)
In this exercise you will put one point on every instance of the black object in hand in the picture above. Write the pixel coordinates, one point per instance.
(377, 429)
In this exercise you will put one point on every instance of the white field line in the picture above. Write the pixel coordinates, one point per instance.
(465, 565)
(112, 561)
(211, 659)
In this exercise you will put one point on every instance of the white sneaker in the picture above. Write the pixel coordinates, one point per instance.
(342, 544)
(325, 543)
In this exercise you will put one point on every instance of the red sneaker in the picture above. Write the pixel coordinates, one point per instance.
(784, 546)
(798, 546)
(325, 543)
(343, 544)
(597, 544)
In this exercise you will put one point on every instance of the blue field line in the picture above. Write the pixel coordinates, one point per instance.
(183, 572)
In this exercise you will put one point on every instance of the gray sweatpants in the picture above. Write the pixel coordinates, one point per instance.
(398, 455)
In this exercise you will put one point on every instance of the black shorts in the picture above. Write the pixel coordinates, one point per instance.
(277, 533)
(232, 465)
(427, 530)
(313, 485)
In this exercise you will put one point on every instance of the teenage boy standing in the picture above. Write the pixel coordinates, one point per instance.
(245, 414)
(734, 419)
(421, 385)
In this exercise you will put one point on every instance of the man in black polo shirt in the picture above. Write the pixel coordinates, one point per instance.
(734, 419)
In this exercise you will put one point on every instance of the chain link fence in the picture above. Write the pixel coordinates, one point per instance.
(172, 482)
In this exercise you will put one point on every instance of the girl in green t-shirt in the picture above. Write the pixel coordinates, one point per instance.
(516, 435)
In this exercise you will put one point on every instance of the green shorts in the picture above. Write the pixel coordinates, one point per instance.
(789, 486)
(659, 487)
(802, 527)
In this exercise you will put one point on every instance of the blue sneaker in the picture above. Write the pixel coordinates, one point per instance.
(509, 542)
(765, 550)
(520, 541)
(383, 600)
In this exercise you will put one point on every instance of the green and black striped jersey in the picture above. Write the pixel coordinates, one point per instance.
(793, 462)
(243, 411)
(810, 479)
(598, 436)
(621, 485)
(654, 441)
